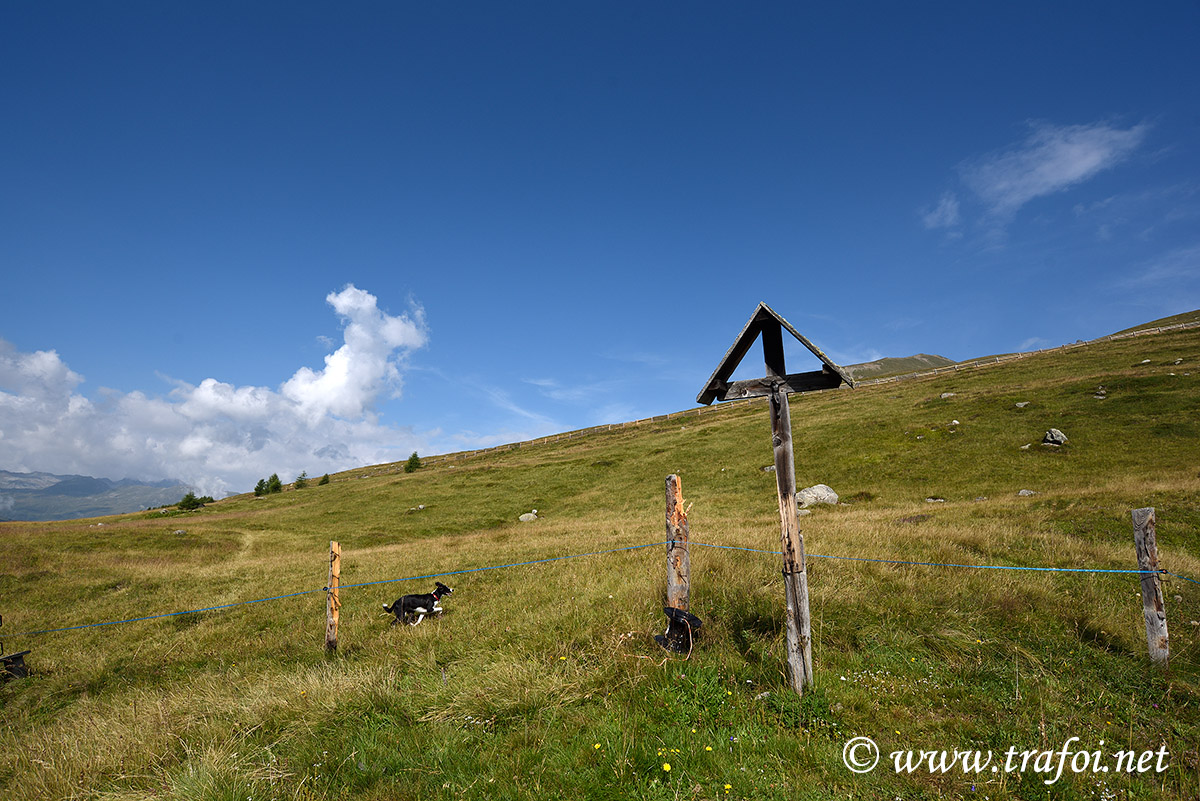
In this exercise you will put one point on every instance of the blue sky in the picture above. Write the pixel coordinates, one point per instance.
(243, 238)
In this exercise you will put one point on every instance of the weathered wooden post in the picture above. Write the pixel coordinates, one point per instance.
(795, 572)
(1146, 542)
(678, 559)
(775, 386)
(333, 603)
(682, 625)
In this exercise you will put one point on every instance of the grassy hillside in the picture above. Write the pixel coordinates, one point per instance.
(1177, 319)
(543, 681)
(891, 365)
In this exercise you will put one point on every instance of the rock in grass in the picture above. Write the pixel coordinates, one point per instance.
(1054, 437)
(528, 517)
(818, 493)
(1022, 404)
(1026, 493)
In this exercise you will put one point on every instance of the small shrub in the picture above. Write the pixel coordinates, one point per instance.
(324, 480)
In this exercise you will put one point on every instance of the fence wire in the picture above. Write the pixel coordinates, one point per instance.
(465, 571)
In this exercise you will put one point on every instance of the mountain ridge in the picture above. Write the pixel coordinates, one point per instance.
(38, 496)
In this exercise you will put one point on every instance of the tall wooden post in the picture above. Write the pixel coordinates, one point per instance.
(678, 559)
(775, 386)
(333, 603)
(1146, 542)
(795, 573)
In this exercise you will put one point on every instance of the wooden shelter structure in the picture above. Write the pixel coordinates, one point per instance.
(775, 386)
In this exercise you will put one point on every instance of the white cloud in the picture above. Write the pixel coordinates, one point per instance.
(944, 214)
(858, 354)
(216, 436)
(1032, 343)
(40, 374)
(359, 370)
(1052, 159)
(1170, 271)
(541, 423)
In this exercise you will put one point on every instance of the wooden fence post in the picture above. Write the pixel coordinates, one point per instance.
(795, 574)
(1146, 542)
(678, 559)
(333, 603)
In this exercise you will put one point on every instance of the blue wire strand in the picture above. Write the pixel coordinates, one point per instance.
(499, 567)
(1185, 578)
(598, 553)
(943, 564)
(326, 589)
(168, 614)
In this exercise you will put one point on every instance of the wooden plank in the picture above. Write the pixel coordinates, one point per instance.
(733, 357)
(772, 341)
(764, 316)
(820, 354)
(799, 626)
(678, 559)
(762, 387)
(1145, 540)
(333, 603)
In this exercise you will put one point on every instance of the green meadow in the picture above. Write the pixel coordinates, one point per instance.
(544, 681)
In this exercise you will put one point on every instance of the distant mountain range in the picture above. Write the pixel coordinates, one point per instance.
(892, 365)
(45, 496)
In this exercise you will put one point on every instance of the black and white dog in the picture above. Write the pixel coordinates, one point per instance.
(406, 606)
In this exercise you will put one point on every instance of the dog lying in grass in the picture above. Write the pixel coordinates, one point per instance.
(407, 606)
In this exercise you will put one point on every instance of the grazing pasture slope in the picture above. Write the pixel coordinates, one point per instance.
(543, 680)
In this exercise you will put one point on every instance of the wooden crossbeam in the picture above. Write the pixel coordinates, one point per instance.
(762, 387)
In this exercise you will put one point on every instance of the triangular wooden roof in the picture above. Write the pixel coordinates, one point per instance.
(719, 388)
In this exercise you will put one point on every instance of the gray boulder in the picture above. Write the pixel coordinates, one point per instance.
(1054, 437)
(528, 517)
(818, 493)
